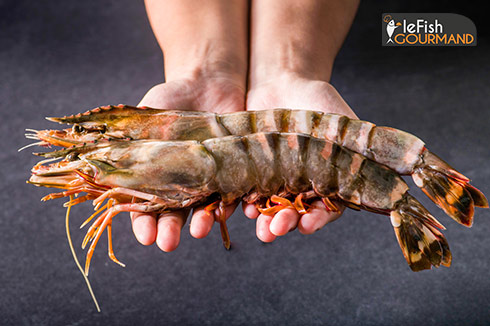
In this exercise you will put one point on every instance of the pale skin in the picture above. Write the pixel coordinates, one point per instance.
(212, 64)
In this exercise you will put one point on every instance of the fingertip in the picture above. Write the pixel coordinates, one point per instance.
(168, 237)
(169, 226)
(284, 221)
(250, 210)
(144, 228)
(317, 218)
(201, 223)
(263, 228)
(155, 97)
(202, 220)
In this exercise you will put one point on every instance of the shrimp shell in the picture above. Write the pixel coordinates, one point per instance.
(160, 176)
(399, 150)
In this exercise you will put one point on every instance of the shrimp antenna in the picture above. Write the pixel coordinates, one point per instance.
(30, 145)
(70, 243)
(31, 134)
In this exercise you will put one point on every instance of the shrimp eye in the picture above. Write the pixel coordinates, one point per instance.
(78, 129)
(72, 156)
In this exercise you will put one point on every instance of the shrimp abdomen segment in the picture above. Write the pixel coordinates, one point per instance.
(293, 156)
(235, 175)
(263, 154)
(394, 148)
(320, 169)
(382, 187)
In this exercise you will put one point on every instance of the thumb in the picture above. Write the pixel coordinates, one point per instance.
(166, 96)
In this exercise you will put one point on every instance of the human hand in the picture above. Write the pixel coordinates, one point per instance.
(292, 49)
(213, 94)
(205, 62)
(294, 92)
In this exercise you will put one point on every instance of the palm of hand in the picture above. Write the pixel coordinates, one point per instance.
(212, 95)
(298, 93)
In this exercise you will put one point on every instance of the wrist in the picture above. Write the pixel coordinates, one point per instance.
(287, 60)
(297, 37)
(284, 70)
(201, 38)
(203, 62)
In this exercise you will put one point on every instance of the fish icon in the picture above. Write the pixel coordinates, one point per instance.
(390, 29)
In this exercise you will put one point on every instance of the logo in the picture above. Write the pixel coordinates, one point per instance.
(427, 29)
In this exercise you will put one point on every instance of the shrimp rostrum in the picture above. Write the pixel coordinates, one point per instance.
(273, 170)
(398, 150)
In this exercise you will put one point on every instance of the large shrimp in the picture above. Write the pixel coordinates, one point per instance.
(273, 170)
(399, 150)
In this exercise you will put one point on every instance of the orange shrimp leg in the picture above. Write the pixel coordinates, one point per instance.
(73, 191)
(299, 205)
(331, 207)
(78, 200)
(111, 254)
(107, 218)
(221, 218)
(104, 221)
(211, 207)
(222, 226)
(103, 208)
(127, 192)
(283, 203)
(93, 228)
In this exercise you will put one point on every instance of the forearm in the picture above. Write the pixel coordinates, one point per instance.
(206, 37)
(297, 36)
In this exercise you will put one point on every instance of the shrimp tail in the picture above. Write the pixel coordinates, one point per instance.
(416, 230)
(448, 188)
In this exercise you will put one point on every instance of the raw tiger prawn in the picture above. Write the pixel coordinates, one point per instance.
(290, 169)
(399, 150)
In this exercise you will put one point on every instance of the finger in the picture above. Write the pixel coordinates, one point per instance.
(201, 223)
(284, 221)
(169, 226)
(153, 98)
(167, 96)
(334, 103)
(250, 210)
(202, 220)
(317, 217)
(144, 227)
(263, 228)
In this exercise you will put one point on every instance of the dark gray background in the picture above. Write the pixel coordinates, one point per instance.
(63, 57)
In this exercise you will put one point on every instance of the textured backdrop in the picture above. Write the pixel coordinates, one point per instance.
(63, 57)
